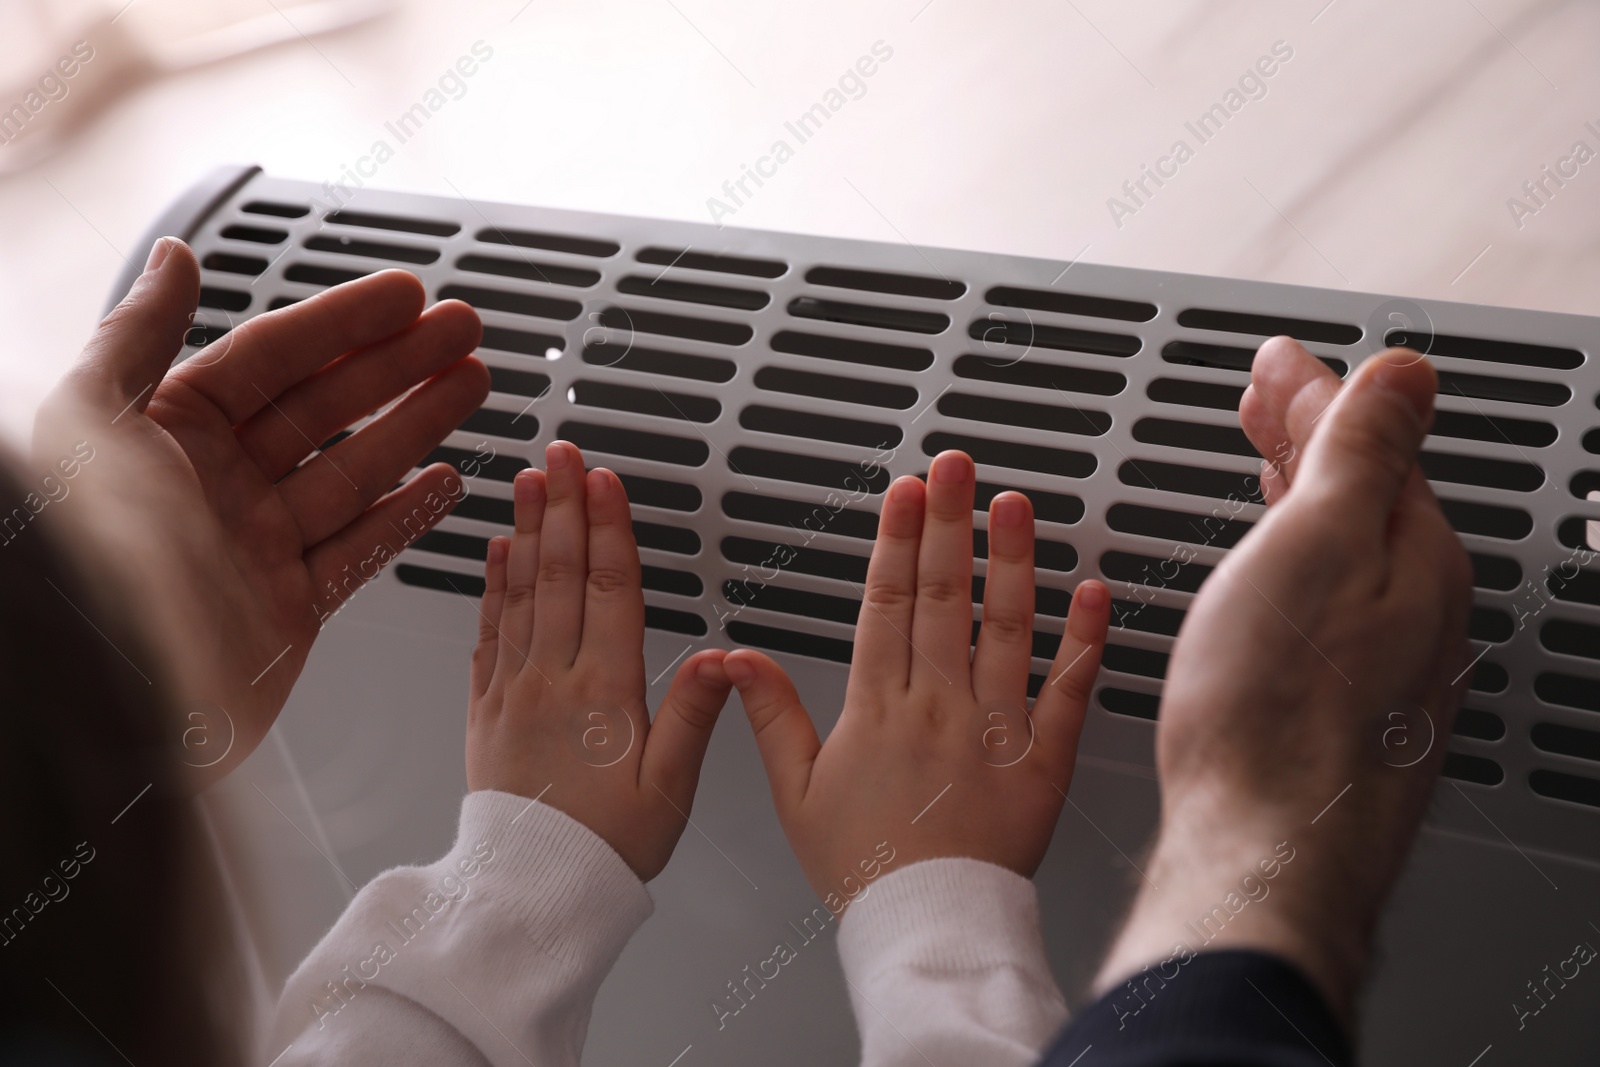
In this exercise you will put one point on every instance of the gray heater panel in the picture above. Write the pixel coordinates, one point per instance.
(757, 390)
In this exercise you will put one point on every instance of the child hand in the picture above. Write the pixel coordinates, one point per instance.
(934, 754)
(558, 710)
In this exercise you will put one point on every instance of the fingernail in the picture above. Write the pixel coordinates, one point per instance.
(555, 456)
(1008, 511)
(739, 671)
(499, 548)
(598, 481)
(710, 671)
(1093, 597)
(526, 488)
(950, 467)
(159, 253)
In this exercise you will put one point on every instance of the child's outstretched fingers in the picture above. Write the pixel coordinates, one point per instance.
(1005, 641)
(613, 606)
(784, 733)
(563, 560)
(676, 744)
(494, 598)
(1058, 712)
(522, 571)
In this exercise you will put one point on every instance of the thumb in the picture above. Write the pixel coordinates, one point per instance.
(676, 745)
(1362, 455)
(135, 344)
(784, 734)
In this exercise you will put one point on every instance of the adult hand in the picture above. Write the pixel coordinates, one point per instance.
(241, 548)
(1289, 801)
(934, 754)
(557, 709)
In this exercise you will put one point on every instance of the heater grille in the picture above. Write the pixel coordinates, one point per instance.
(757, 392)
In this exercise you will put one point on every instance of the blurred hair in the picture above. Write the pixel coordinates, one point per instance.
(123, 956)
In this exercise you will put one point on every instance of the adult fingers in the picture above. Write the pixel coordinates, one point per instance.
(331, 489)
(1058, 712)
(681, 730)
(355, 385)
(563, 558)
(1005, 641)
(784, 734)
(941, 622)
(1362, 453)
(882, 655)
(613, 606)
(134, 346)
(485, 654)
(1289, 390)
(255, 363)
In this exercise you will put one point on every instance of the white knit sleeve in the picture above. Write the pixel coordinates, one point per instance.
(946, 964)
(492, 955)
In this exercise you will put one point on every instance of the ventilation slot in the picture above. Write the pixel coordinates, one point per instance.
(1495, 572)
(200, 334)
(675, 539)
(666, 580)
(1228, 440)
(1487, 624)
(1057, 461)
(794, 642)
(484, 508)
(776, 598)
(1033, 374)
(1571, 638)
(808, 517)
(1516, 353)
(466, 585)
(1487, 520)
(1156, 573)
(828, 387)
(1574, 533)
(1216, 530)
(1568, 691)
(395, 223)
(1195, 394)
(1497, 428)
(475, 464)
(1479, 725)
(676, 622)
(819, 427)
(1227, 357)
(694, 293)
(223, 299)
(808, 307)
(1582, 587)
(995, 330)
(750, 268)
(722, 333)
(1146, 618)
(1508, 390)
(1489, 678)
(521, 342)
(871, 281)
(445, 543)
(518, 382)
(1568, 787)
(1333, 333)
(542, 307)
(528, 270)
(1583, 483)
(1566, 741)
(652, 361)
(228, 263)
(314, 274)
(502, 424)
(846, 350)
(281, 211)
(769, 558)
(350, 246)
(255, 234)
(659, 493)
(808, 470)
(578, 246)
(637, 443)
(1473, 769)
(1021, 413)
(1479, 470)
(1129, 703)
(1126, 659)
(1098, 307)
(1194, 481)
(645, 401)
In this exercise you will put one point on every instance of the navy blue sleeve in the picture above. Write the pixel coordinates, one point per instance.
(1233, 1008)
